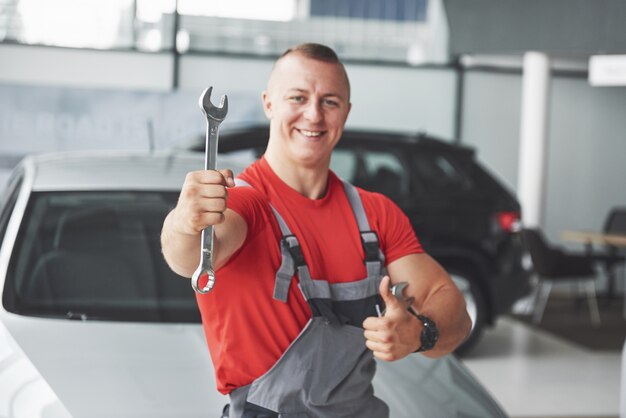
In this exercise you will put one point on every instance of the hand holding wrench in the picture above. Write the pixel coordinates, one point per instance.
(214, 116)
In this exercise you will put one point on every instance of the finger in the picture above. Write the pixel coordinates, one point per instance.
(195, 195)
(385, 289)
(374, 323)
(205, 177)
(378, 347)
(385, 356)
(375, 336)
(212, 205)
(213, 191)
(392, 304)
(211, 218)
(228, 176)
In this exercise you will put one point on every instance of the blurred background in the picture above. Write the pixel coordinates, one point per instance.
(126, 74)
(515, 80)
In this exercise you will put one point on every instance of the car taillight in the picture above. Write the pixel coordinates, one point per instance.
(509, 221)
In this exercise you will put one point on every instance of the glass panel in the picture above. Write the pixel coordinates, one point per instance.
(344, 163)
(412, 32)
(441, 173)
(97, 255)
(275, 10)
(154, 24)
(399, 10)
(386, 174)
(101, 24)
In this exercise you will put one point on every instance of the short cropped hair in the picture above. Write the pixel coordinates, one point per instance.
(317, 52)
(314, 51)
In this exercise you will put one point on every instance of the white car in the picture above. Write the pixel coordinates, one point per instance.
(94, 324)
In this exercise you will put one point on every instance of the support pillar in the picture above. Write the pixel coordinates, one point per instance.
(532, 168)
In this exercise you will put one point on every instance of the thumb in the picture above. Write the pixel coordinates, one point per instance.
(391, 302)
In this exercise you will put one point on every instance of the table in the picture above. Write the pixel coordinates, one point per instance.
(589, 237)
(595, 238)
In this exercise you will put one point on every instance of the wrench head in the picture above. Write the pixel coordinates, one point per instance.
(217, 113)
(397, 290)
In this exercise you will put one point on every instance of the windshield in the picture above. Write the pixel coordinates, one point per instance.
(96, 255)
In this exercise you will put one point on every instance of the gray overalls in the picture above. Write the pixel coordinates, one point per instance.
(327, 370)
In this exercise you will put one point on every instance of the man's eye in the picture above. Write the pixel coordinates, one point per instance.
(331, 103)
(297, 99)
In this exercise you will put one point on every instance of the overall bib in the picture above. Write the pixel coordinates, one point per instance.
(327, 370)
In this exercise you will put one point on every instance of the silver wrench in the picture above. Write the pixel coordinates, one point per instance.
(397, 290)
(214, 116)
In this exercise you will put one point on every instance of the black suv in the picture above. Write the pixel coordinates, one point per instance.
(463, 217)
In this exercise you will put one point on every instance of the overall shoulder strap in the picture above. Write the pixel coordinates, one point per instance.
(292, 257)
(374, 258)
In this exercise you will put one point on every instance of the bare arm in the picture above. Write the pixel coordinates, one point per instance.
(397, 333)
(202, 202)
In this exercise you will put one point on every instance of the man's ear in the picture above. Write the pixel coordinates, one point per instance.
(267, 104)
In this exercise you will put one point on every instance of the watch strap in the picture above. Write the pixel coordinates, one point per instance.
(430, 333)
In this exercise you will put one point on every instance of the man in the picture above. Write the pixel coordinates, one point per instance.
(304, 343)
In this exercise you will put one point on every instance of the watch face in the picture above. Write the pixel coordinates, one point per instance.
(430, 334)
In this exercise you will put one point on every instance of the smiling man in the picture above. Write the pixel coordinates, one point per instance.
(305, 263)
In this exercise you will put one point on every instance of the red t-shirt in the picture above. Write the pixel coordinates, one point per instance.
(247, 330)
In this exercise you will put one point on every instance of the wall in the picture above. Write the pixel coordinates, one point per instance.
(383, 97)
(587, 144)
(587, 125)
(84, 68)
(57, 99)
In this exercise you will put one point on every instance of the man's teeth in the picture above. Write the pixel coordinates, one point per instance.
(310, 133)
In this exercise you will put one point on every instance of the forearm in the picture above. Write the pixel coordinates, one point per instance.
(181, 251)
(435, 296)
(446, 307)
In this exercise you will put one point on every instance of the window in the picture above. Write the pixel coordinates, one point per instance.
(413, 32)
(344, 163)
(374, 170)
(439, 173)
(97, 255)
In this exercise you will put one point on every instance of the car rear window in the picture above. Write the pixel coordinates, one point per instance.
(373, 169)
(96, 255)
(441, 173)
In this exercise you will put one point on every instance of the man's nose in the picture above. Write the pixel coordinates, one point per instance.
(313, 112)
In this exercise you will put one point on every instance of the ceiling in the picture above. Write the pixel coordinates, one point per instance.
(569, 28)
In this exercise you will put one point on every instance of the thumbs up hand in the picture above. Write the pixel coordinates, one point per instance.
(396, 334)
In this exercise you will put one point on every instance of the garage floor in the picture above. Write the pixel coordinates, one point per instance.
(534, 374)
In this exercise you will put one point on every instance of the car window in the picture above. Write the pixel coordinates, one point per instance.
(441, 173)
(96, 255)
(344, 163)
(374, 170)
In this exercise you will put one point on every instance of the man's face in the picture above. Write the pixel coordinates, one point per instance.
(307, 102)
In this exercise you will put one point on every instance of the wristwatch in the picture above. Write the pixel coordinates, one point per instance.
(430, 333)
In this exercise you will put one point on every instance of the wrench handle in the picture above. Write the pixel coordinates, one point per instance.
(206, 262)
(206, 244)
(212, 137)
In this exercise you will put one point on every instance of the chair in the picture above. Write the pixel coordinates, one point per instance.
(553, 264)
(615, 224)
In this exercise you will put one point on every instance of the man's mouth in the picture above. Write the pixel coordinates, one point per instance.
(311, 134)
